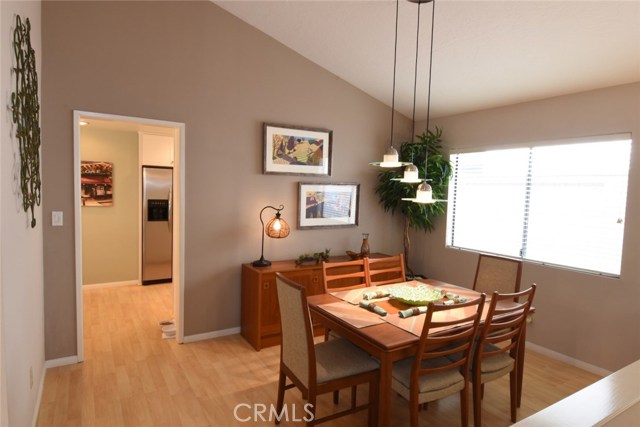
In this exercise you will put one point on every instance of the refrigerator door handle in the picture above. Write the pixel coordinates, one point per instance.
(170, 197)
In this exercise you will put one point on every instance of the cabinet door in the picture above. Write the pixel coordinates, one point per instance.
(269, 311)
(309, 278)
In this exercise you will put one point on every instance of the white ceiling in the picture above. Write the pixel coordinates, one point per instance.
(486, 53)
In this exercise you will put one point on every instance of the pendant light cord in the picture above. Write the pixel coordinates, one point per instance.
(415, 77)
(433, 14)
(393, 93)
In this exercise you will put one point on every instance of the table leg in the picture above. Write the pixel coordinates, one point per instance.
(384, 409)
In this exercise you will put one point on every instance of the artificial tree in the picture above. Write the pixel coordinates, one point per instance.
(427, 146)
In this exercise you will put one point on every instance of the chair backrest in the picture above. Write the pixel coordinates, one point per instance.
(505, 324)
(497, 274)
(383, 271)
(297, 352)
(452, 350)
(341, 276)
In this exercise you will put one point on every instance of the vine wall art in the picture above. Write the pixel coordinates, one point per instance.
(25, 108)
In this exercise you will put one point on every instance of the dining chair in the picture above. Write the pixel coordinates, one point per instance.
(500, 346)
(341, 276)
(495, 273)
(441, 364)
(320, 368)
(383, 271)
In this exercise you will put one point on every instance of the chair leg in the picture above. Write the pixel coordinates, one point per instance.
(513, 392)
(312, 410)
(282, 380)
(464, 407)
(413, 414)
(477, 403)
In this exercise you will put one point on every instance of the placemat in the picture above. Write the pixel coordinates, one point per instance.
(352, 314)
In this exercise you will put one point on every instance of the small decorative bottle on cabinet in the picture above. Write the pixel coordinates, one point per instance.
(364, 249)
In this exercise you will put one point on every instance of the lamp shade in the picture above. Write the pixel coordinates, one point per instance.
(277, 227)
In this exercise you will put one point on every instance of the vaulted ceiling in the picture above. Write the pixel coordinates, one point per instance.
(485, 53)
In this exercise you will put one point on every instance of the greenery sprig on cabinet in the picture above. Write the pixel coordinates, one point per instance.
(390, 192)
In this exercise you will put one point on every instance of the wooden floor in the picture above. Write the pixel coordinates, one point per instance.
(132, 377)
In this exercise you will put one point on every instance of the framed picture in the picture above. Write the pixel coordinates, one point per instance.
(96, 183)
(328, 205)
(297, 150)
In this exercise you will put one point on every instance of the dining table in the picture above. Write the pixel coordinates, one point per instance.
(388, 338)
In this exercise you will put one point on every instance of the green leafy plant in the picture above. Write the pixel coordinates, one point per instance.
(390, 193)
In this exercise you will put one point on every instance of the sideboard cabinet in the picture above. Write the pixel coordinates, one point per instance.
(260, 318)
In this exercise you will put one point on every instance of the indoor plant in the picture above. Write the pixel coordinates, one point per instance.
(427, 145)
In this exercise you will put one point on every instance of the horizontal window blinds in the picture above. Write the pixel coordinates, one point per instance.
(556, 204)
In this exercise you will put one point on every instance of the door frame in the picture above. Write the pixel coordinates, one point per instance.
(178, 215)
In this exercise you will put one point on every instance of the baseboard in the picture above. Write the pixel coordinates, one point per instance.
(110, 284)
(63, 361)
(568, 360)
(210, 335)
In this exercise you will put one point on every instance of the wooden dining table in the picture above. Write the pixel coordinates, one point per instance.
(383, 340)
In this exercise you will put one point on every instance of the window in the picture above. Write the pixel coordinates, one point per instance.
(555, 204)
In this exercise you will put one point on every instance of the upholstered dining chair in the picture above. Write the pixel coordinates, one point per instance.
(320, 368)
(441, 364)
(345, 275)
(500, 346)
(495, 273)
(383, 271)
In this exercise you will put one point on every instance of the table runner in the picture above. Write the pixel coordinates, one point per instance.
(413, 324)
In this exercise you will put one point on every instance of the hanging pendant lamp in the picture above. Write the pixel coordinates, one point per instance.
(411, 174)
(391, 157)
(424, 192)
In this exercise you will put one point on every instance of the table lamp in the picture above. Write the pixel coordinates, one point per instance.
(276, 228)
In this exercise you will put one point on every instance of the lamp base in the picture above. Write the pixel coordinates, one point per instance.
(261, 263)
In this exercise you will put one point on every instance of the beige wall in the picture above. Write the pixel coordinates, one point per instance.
(21, 272)
(587, 317)
(192, 62)
(110, 233)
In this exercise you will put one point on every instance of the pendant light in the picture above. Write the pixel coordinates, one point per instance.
(424, 192)
(411, 174)
(391, 157)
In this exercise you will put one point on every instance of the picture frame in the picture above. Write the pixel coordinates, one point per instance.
(96, 183)
(296, 150)
(332, 205)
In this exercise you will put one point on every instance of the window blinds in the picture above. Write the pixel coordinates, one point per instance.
(561, 204)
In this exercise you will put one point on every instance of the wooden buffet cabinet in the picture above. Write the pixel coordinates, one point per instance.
(260, 313)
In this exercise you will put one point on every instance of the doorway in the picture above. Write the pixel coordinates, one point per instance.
(175, 131)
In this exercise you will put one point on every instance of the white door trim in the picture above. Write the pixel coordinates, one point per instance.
(179, 215)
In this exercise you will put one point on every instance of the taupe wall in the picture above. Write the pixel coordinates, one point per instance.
(192, 62)
(110, 233)
(590, 318)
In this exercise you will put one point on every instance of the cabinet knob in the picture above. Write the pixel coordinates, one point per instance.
(266, 285)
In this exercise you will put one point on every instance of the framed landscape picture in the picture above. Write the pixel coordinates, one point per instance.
(328, 205)
(297, 150)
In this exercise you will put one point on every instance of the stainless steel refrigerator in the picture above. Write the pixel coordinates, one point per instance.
(157, 224)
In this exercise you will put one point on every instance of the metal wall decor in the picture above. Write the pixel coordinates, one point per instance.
(26, 115)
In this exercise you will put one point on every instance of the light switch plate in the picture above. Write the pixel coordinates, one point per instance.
(56, 218)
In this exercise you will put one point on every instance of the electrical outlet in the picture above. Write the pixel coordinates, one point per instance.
(30, 377)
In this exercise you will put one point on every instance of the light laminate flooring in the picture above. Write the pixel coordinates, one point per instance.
(132, 377)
